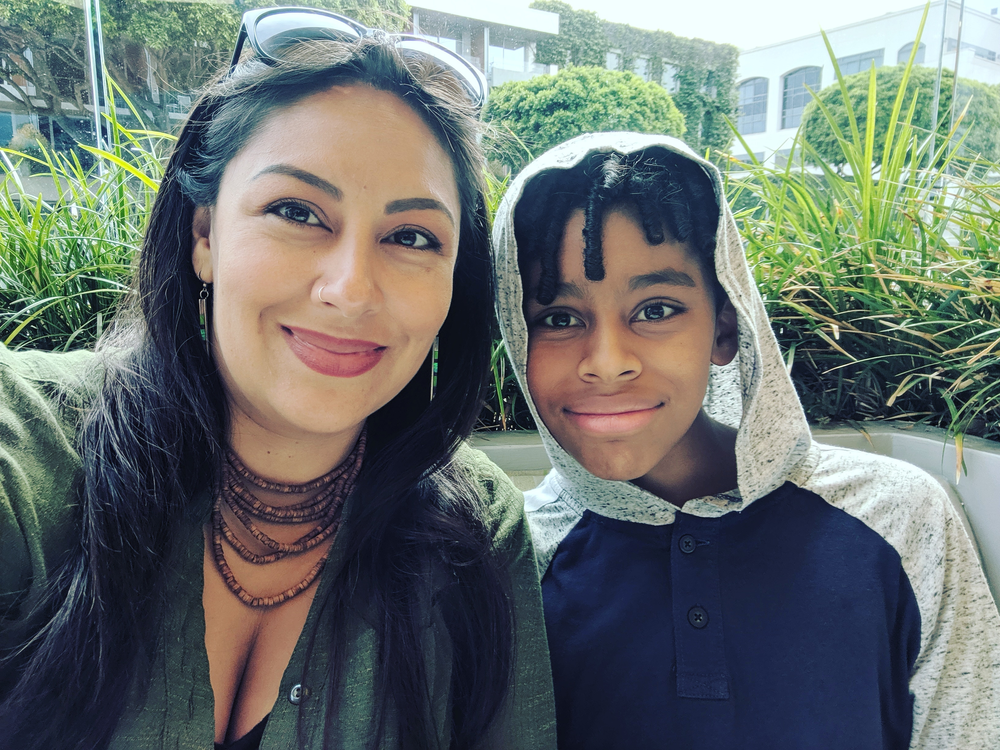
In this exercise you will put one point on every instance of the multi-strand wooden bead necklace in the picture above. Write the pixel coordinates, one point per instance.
(325, 507)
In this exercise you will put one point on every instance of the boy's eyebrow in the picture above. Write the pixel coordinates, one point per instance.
(663, 276)
(568, 289)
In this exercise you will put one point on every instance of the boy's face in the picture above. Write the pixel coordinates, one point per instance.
(618, 368)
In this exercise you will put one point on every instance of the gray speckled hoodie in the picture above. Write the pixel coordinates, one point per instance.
(845, 605)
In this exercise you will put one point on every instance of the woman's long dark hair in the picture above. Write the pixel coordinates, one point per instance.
(153, 440)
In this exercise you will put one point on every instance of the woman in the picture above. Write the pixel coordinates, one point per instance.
(276, 537)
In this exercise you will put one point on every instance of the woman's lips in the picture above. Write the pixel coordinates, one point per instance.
(328, 355)
(609, 420)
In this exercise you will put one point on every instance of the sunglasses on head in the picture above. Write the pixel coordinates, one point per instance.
(272, 31)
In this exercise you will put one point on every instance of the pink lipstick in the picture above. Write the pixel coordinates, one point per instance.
(329, 355)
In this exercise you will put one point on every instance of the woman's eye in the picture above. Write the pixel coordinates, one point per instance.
(415, 239)
(561, 320)
(658, 311)
(297, 213)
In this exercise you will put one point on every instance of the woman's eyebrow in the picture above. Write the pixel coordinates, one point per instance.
(300, 174)
(663, 276)
(418, 204)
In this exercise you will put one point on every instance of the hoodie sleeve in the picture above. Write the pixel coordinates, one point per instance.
(956, 681)
(955, 678)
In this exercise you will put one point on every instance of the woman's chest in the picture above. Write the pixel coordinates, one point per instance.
(248, 652)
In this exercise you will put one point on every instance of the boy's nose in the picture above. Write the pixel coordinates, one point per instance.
(608, 357)
(348, 281)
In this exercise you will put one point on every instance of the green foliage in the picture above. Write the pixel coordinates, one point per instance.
(581, 39)
(883, 288)
(546, 110)
(65, 263)
(982, 118)
(706, 75)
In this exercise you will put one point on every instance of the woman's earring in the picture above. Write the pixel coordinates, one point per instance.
(434, 368)
(203, 314)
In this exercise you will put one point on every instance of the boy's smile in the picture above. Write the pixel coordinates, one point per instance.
(618, 368)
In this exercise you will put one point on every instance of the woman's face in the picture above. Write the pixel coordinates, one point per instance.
(331, 250)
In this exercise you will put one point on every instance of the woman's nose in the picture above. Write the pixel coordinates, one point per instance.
(348, 281)
(608, 356)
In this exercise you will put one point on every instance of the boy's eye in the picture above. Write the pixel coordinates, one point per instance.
(295, 213)
(415, 239)
(561, 320)
(657, 311)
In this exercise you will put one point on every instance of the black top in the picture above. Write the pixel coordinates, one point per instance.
(249, 741)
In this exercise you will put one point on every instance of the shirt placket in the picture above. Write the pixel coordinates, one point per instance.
(697, 609)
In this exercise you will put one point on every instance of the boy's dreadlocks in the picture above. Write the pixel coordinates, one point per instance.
(672, 196)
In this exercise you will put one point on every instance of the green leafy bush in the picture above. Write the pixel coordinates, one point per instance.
(546, 110)
(982, 117)
(700, 75)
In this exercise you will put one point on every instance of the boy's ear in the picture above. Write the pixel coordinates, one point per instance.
(201, 246)
(726, 342)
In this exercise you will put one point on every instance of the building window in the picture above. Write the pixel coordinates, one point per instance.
(640, 66)
(613, 60)
(668, 78)
(862, 61)
(509, 55)
(981, 52)
(795, 94)
(904, 54)
(751, 109)
(6, 128)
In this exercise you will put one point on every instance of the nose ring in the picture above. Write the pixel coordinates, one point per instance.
(320, 295)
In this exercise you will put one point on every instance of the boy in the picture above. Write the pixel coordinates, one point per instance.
(707, 586)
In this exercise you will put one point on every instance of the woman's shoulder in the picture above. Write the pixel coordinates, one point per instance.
(503, 501)
(43, 397)
(487, 475)
(65, 380)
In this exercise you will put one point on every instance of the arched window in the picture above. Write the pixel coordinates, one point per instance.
(751, 109)
(795, 96)
(861, 62)
(904, 53)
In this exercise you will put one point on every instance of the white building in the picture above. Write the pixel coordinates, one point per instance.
(772, 80)
(498, 39)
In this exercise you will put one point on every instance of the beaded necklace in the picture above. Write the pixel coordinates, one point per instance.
(325, 508)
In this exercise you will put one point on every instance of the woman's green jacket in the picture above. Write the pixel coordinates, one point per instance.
(42, 398)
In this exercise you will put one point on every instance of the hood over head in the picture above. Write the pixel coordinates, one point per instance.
(754, 392)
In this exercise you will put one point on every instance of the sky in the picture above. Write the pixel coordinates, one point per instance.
(748, 24)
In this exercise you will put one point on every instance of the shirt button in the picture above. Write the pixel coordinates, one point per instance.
(687, 544)
(298, 694)
(698, 617)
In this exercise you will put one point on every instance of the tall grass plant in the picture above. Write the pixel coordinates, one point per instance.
(65, 262)
(883, 286)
